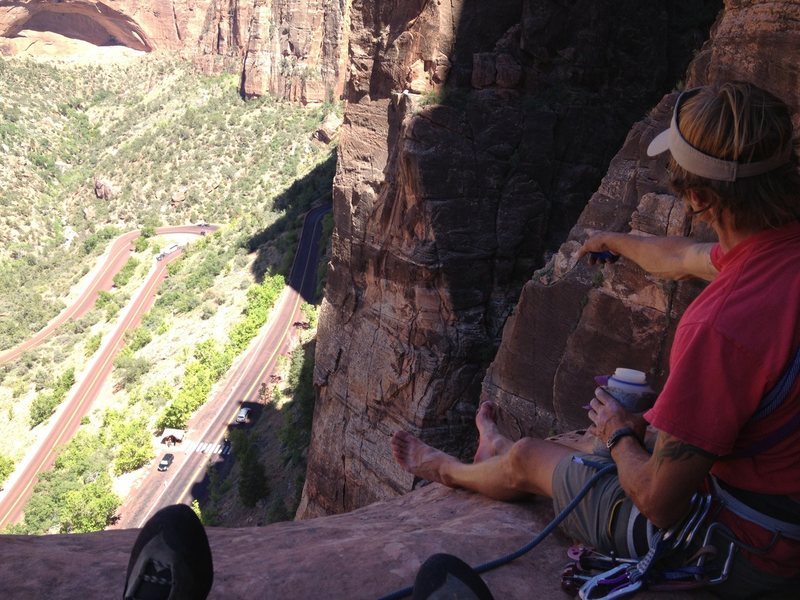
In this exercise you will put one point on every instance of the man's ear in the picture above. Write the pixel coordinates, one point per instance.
(697, 204)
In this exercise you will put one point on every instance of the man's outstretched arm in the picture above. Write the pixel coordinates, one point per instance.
(671, 257)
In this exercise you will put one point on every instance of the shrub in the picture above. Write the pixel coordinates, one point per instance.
(93, 343)
(141, 244)
(128, 369)
(124, 275)
(45, 403)
(6, 468)
(138, 338)
(159, 394)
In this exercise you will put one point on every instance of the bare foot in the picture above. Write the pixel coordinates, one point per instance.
(416, 457)
(491, 442)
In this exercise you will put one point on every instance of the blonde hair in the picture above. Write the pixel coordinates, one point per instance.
(738, 121)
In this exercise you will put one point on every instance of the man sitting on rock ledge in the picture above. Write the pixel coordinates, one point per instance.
(718, 427)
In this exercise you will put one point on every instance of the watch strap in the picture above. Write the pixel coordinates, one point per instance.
(619, 434)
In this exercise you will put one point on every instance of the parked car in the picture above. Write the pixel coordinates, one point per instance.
(243, 416)
(166, 462)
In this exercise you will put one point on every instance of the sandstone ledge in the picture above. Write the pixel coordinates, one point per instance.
(365, 554)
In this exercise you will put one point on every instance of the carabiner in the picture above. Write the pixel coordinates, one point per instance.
(617, 579)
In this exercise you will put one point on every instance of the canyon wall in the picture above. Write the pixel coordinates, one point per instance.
(292, 49)
(474, 135)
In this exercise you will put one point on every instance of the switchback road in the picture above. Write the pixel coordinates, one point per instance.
(212, 421)
(65, 421)
(204, 442)
(115, 258)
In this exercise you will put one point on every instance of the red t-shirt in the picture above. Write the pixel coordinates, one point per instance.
(731, 347)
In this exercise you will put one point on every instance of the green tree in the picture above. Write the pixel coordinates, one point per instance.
(89, 507)
(253, 484)
(45, 403)
(132, 455)
(295, 433)
(6, 468)
(42, 407)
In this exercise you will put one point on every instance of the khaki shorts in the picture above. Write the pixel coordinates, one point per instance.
(593, 520)
(601, 521)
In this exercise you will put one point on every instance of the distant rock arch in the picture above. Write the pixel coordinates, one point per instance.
(93, 22)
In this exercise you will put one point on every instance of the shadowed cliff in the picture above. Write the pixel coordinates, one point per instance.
(474, 136)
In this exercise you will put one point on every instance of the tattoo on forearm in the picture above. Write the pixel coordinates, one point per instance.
(676, 450)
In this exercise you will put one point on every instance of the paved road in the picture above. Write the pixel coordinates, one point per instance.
(211, 423)
(66, 420)
(186, 478)
(103, 279)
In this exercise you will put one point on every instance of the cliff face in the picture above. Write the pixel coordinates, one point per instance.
(573, 323)
(296, 50)
(292, 49)
(474, 135)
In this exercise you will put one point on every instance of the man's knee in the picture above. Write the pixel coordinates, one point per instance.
(522, 462)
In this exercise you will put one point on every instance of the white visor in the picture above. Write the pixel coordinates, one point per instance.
(702, 164)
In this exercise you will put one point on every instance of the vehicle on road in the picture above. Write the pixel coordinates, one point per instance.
(166, 462)
(243, 416)
(167, 251)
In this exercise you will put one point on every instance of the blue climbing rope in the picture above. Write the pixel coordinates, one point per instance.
(603, 469)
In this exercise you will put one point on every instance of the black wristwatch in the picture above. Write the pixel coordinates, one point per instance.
(619, 434)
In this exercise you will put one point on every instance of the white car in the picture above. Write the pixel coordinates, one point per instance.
(243, 416)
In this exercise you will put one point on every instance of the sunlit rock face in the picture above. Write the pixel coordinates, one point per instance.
(297, 50)
(474, 135)
(137, 25)
(292, 49)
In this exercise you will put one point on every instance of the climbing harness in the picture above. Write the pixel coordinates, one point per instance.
(628, 577)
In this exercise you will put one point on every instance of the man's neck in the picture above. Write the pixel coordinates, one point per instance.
(728, 235)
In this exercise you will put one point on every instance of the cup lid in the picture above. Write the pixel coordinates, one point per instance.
(630, 376)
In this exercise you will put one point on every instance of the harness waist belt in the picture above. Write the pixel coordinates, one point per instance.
(739, 508)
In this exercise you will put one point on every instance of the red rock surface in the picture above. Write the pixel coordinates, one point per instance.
(293, 49)
(456, 176)
(362, 555)
(572, 324)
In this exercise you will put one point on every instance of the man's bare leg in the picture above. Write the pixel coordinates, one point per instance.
(491, 442)
(526, 468)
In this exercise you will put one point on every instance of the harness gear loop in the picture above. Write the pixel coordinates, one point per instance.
(625, 579)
